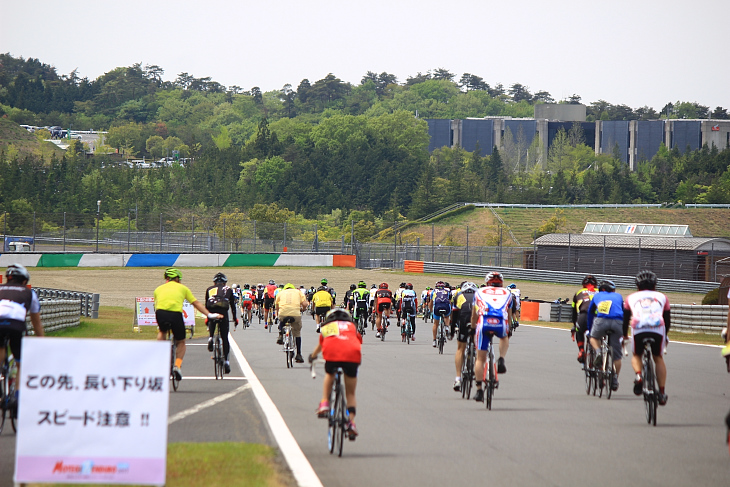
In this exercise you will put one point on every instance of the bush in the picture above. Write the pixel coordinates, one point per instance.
(711, 297)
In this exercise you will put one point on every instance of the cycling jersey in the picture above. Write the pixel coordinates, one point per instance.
(409, 301)
(383, 297)
(170, 296)
(441, 299)
(361, 297)
(269, 291)
(289, 302)
(493, 304)
(322, 298)
(605, 305)
(648, 312)
(581, 301)
(15, 303)
(246, 295)
(340, 342)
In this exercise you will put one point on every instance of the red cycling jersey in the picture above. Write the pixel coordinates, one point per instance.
(340, 342)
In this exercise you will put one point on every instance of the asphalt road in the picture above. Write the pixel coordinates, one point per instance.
(414, 430)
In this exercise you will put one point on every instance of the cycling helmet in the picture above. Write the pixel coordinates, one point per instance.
(352, 287)
(512, 286)
(337, 314)
(607, 286)
(446, 284)
(440, 284)
(271, 281)
(409, 286)
(220, 277)
(589, 279)
(235, 286)
(383, 285)
(246, 286)
(494, 279)
(468, 287)
(281, 286)
(402, 284)
(361, 284)
(172, 273)
(17, 271)
(289, 285)
(323, 282)
(646, 279)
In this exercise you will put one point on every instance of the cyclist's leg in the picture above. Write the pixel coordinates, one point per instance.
(296, 331)
(350, 372)
(224, 327)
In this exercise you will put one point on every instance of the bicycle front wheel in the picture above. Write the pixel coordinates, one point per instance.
(333, 418)
(490, 382)
(610, 372)
(342, 424)
(173, 378)
(217, 369)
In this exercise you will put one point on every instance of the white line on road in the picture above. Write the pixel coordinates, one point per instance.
(206, 404)
(228, 377)
(298, 463)
(670, 341)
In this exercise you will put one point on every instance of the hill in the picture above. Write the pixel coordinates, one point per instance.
(484, 227)
(14, 138)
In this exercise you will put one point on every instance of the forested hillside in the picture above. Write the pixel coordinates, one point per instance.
(326, 150)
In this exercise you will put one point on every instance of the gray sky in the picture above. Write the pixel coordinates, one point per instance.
(633, 52)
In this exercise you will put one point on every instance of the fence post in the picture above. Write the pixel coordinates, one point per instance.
(639, 270)
(316, 239)
(282, 247)
(161, 232)
(352, 236)
(433, 259)
(466, 258)
(604, 256)
(342, 245)
(675, 259)
(5, 226)
(34, 231)
(254, 236)
(192, 233)
(224, 236)
(568, 252)
(64, 231)
(395, 242)
(129, 230)
(418, 248)
(712, 256)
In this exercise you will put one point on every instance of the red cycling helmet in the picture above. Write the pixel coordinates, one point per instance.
(383, 285)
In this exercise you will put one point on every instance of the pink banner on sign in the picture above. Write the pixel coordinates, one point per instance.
(90, 470)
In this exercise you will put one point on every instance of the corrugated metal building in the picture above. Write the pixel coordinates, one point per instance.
(672, 256)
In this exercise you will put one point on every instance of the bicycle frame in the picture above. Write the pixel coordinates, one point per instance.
(648, 378)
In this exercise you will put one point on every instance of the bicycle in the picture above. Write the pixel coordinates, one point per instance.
(441, 337)
(361, 320)
(513, 324)
(427, 314)
(8, 376)
(289, 346)
(338, 419)
(218, 359)
(490, 373)
(384, 329)
(467, 367)
(372, 320)
(588, 369)
(407, 329)
(648, 380)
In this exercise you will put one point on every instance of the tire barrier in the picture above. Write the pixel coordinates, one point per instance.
(88, 302)
(693, 318)
(57, 314)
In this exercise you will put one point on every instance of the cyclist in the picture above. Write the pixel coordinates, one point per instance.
(247, 298)
(373, 312)
(259, 299)
(426, 299)
(341, 345)
(647, 312)
(361, 297)
(384, 302)
(331, 290)
(236, 290)
(516, 302)
(269, 292)
(491, 313)
(169, 298)
(218, 298)
(440, 301)
(464, 302)
(349, 300)
(398, 296)
(581, 301)
(455, 311)
(606, 314)
(290, 302)
(16, 302)
(409, 305)
(322, 301)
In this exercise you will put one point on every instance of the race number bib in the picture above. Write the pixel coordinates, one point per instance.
(330, 329)
(604, 307)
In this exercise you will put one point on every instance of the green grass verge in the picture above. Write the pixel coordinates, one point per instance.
(220, 464)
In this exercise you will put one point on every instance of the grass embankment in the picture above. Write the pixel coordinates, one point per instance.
(190, 464)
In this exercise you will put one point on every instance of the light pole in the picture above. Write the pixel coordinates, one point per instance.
(98, 210)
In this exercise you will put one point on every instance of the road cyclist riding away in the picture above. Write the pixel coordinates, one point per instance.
(348, 302)
(269, 292)
(16, 302)
(398, 295)
(581, 301)
(218, 299)
(259, 303)
(464, 301)
(440, 305)
(169, 299)
(236, 290)
(384, 303)
(605, 317)
(516, 303)
(341, 345)
(409, 307)
(323, 301)
(491, 313)
(247, 300)
(290, 303)
(647, 312)
(426, 303)
(373, 311)
(361, 296)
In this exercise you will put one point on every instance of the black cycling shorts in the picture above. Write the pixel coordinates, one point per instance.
(349, 368)
(171, 320)
(268, 303)
(14, 337)
(656, 347)
(383, 306)
(322, 310)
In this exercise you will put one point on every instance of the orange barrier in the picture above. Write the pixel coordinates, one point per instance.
(529, 311)
(413, 266)
(344, 261)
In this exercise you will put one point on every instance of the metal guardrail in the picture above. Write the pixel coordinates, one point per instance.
(88, 302)
(698, 318)
(558, 277)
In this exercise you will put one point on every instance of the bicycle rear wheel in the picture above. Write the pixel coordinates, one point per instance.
(610, 372)
(468, 376)
(441, 338)
(490, 381)
(649, 390)
(587, 368)
(342, 424)
(333, 418)
(3, 400)
(217, 360)
(173, 379)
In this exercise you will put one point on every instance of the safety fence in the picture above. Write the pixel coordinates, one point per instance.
(698, 318)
